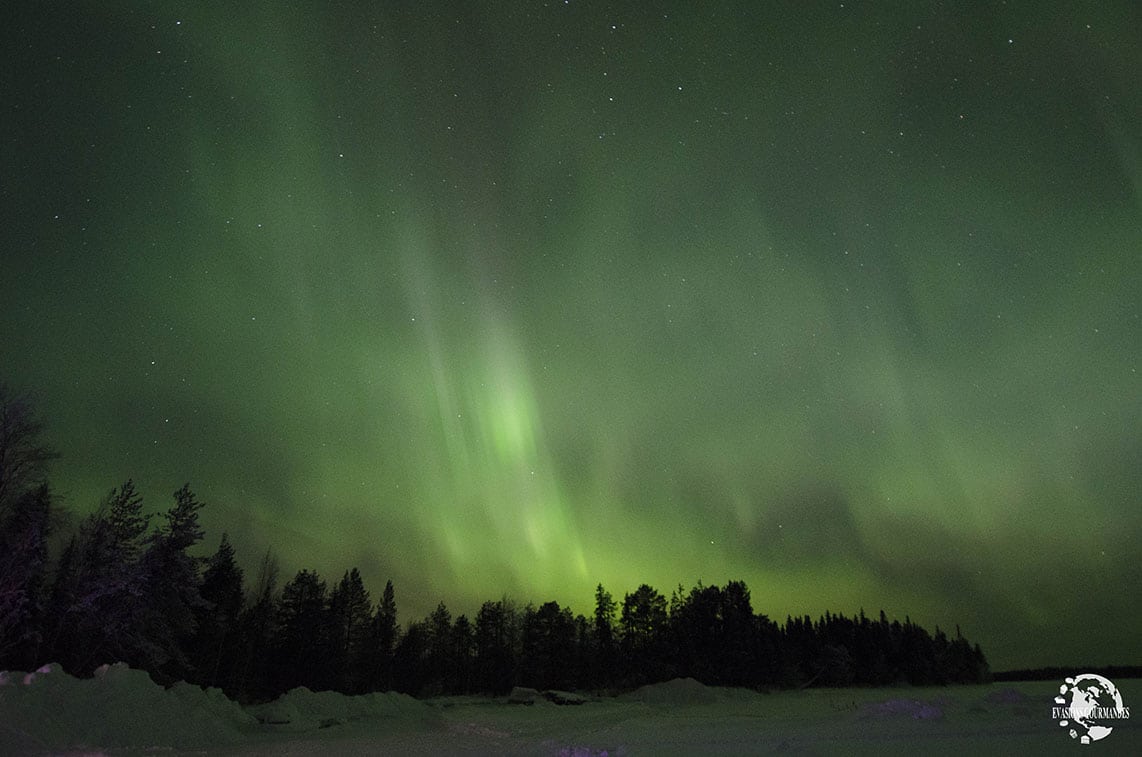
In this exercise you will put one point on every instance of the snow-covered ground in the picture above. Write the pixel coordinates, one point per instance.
(121, 711)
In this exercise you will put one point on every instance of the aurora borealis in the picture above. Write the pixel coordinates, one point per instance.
(840, 299)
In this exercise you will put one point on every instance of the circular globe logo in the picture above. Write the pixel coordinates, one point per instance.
(1087, 706)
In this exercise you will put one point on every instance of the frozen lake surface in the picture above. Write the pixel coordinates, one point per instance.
(122, 712)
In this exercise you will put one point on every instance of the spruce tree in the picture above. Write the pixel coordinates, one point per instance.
(254, 679)
(23, 568)
(97, 598)
(171, 597)
(216, 641)
(350, 611)
(302, 643)
(382, 642)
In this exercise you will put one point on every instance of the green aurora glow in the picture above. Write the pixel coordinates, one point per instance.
(838, 299)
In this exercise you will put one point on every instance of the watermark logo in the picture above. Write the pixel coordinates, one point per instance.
(1088, 705)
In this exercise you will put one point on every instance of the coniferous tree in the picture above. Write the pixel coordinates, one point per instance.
(257, 627)
(26, 510)
(303, 634)
(96, 605)
(980, 671)
(548, 647)
(350, 611)
(23, 568)
(464, 647)
(125, 521)
(737, 661)
(768, 652)
(495, 653)
(581, 667)
(171, 598)
(606, 646)
(439, 663)
(696, 623)
(410, 660)
(59, 600)
(882, 665)
(644, 640)
(216, 642)
(917, 654)
(382, 642)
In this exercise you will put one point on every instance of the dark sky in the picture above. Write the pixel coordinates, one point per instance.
(841, 299)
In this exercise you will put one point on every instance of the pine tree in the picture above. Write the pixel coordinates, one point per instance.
(23, 567)
(171, 597)
(96, 604)
(382, 642)
(350, 611)
(644, 625)
(257, 629)
(302, 644)
(122, 511)
(605, 653)
(697, 627)
(410, 660)
(439, 663)
(218, 621)
(25, 522)
(464, 647)
(738, 660)
(495, 655)
(548, 647)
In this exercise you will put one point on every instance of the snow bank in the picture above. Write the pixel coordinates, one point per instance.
(303, 710)
(1008, 695)
(911, 708)
(120, 708)
(525, 695)
(676, 693)
(48, 712)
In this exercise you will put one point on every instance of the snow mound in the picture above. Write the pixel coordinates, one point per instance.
(523, 695)
(564, 697)
(678, 692)
(913, 708)
(1007, 696)
(529, 696)
(120, 708)
(303, 710)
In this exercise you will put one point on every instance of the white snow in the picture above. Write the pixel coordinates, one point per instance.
(523, 695)
(305, 710)
(49, 710)
(122, 711)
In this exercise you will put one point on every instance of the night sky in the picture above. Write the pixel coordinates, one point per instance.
(841, 299)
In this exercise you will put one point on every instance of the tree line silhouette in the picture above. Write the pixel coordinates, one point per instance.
(124, 589)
